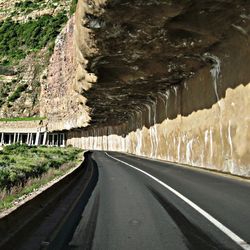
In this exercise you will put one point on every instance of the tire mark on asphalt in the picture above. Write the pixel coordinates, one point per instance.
(195, 237)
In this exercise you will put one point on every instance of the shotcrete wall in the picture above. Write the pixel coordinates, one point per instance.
(202, 121)
(215, 138)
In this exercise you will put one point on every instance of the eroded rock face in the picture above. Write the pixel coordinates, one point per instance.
(149, 47)
(170, 77)
(62, 100)
(59, 102)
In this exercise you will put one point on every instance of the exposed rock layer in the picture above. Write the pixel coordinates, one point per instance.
(149, 47)
(59, 102)
(62, 100)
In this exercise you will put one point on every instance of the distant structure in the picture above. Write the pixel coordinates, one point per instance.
(33, 135)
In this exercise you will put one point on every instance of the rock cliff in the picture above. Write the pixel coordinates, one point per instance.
(62, 96)
(27, 33)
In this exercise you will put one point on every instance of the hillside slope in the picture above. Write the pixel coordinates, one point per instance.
(28, 30)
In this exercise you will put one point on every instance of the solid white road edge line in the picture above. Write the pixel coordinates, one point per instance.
(224, 229)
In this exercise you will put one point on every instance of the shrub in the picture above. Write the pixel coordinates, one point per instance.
(3, 164)
(6, 158)
(17, 39)
(20, 163)
(16, 149)
(73, 7)
(1, 102)
(17, 93)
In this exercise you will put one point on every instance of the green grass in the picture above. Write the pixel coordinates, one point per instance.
(21, 119)
(24, 169)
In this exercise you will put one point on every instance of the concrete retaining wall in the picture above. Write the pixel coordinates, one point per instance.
(216, 138)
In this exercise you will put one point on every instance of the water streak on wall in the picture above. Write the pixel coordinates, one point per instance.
(215, 138)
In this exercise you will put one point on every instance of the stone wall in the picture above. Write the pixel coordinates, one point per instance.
(201, 121)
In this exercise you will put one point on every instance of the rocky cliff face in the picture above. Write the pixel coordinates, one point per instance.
(172, 82)
(59, 102)
(62, 100)
(27, 33)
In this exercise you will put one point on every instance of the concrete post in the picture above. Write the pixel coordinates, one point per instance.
(2, 140)
(63, 140)
(28, 138)
(9, 139)
(18, 137)
(37, 138)
(31, 139)
(44, 138)
(53, 140)
(14, 141)
(21, 139)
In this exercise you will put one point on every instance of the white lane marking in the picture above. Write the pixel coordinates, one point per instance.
(224, 229)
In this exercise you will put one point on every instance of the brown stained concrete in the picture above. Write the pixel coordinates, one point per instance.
(23, 126)
(215, 138)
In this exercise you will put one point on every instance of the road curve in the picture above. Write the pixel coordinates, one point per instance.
(130, 209)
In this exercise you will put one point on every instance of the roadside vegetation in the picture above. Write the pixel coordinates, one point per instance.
(28, 6)
(17, 93)
(24, 169)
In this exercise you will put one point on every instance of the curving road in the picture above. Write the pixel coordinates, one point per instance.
(144, 204)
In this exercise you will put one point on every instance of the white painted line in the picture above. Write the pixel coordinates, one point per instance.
(224, 229)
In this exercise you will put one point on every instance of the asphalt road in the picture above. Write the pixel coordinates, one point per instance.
(144, 204)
